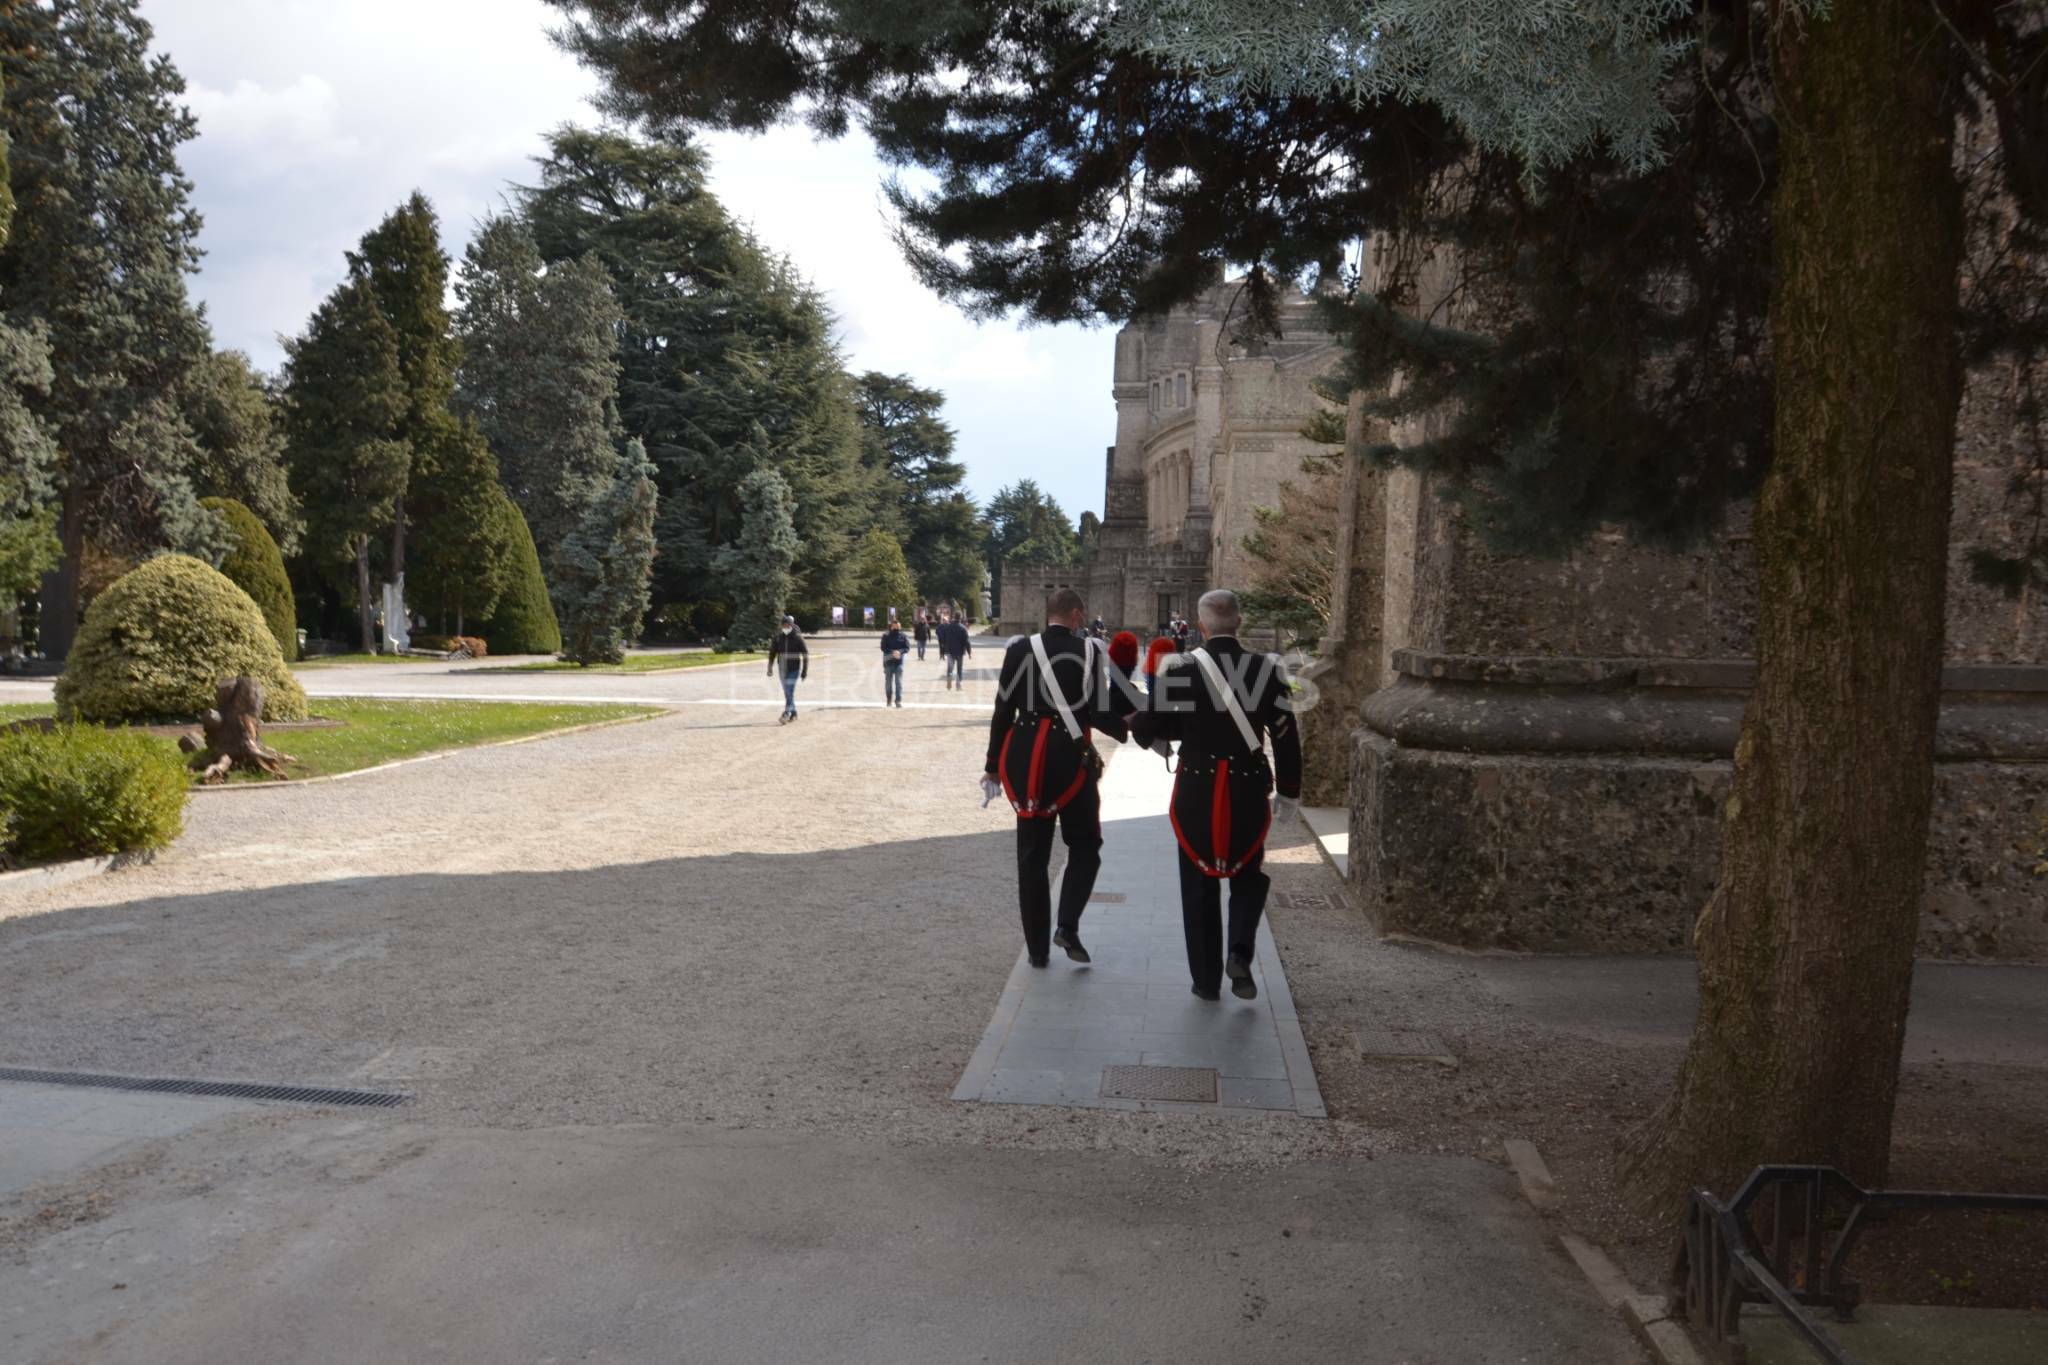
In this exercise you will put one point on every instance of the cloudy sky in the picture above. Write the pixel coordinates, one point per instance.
(316, 117)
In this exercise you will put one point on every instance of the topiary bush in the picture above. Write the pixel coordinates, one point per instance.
(156, 644)
(524, 621)
(78, 791)
(256, 566)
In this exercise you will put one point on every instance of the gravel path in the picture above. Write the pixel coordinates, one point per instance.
(702, 917)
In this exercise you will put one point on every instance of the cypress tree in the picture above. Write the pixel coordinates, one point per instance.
(524, 622)
(758, 568)
(256, 566)
(603, 567)
(241, 445)
(402, 261)
(345, 398)
(461, 556)
(540, 373)
(879, 576)
(103, 237)
(28, 522)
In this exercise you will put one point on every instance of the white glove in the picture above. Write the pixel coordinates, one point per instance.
(990, 790)
(1286, 808)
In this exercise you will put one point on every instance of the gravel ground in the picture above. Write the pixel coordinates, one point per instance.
(706, 917)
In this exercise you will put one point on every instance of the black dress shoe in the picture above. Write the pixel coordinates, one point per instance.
(1206, 995)
(1040, 961)
(1071, 941)
(1239, 970)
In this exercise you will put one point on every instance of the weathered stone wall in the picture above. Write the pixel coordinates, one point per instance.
(1575, 804)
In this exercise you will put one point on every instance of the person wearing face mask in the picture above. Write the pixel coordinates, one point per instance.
(790, 659)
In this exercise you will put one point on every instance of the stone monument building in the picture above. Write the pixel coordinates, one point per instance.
(1208, 425)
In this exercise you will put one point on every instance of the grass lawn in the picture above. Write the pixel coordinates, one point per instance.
(24, 710)
(328, 660)
(636, 663)
(383, 731)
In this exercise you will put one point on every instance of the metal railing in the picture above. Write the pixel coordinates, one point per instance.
(1815, 1217)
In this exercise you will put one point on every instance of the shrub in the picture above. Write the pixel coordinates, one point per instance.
(77, 791)
(524, 622)
(256, 566)
(156, 644)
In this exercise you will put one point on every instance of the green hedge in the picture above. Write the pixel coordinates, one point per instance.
(156, 644)
(524, 622)
(78, 791)
(256, 566)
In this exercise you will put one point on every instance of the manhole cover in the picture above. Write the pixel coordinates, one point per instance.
(1403, 1045)
(1297, 902)
(1192, 1084)
(1106, 898)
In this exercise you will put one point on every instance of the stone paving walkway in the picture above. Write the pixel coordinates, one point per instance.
(1057, 1032)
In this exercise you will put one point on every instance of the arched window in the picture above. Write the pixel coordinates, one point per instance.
(1180, 390)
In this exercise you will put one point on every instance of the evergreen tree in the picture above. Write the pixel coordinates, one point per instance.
(1025, 522)
(728, 360)
(241, 447)
(524, 622)
(907, 444)
(461, 558)
(540, 372)
(28, 522)
(952, 553)
(102, 240)
(759, 568)
(402, 261)
(603, 568)
(256, 566)
(345, 398)
(880, 577)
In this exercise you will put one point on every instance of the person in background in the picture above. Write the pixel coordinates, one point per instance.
(954, 647)
(923, 633)
(789, 657)
(895, 645)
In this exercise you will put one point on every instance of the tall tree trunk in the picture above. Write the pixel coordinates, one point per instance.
(58, 615)
(363, 617)
(1806, 947)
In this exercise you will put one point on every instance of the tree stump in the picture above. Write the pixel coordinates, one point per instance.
(234, 735)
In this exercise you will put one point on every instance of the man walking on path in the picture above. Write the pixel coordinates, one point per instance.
(1221, 702)
(924, 633)
(790, 657)
(1053, 693)
(895, 646)
(954, 647)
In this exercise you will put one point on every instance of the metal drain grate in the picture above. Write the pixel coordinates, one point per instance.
(240, 1090)
(1190, 1084)
(1300, 902)
(1106, 898)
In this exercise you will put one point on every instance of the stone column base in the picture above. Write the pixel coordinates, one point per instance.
(1574, 805)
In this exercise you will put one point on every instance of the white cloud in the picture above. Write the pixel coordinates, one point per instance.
(316, 118)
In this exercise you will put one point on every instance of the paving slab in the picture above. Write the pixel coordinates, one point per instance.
(1056, 1028)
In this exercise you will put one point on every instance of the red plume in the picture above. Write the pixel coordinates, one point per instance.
(1159, 649)
(1123, 650)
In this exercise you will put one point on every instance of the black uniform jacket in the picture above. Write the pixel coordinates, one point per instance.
(1028, 745)
(1220, 812)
